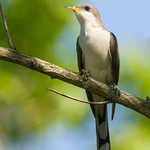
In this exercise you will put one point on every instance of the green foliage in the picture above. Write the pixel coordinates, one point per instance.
(26, 106)
(134, 134)
(34, 27)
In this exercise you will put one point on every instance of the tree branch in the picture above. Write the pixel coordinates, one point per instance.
(6, 27)
(138, 104)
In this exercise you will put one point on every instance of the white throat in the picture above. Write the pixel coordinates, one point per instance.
(88, 25)
(95, 42)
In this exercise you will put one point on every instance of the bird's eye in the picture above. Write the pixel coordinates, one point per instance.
(87, 8)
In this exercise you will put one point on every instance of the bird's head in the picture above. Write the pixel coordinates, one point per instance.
(85, 13)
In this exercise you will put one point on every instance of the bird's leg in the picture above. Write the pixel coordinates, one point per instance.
(116, 89)
(84, 74)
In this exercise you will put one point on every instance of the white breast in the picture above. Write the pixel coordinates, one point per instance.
(95, 43)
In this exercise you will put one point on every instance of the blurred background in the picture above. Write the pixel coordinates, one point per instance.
(31, 118)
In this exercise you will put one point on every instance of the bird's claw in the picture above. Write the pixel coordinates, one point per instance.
(116, 89)
(84, 75)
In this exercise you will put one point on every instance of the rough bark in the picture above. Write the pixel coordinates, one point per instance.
(138, 104)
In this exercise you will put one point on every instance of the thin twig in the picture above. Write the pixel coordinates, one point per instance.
(6, 27)
(79, 100)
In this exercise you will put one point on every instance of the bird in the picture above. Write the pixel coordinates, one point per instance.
(98, 57)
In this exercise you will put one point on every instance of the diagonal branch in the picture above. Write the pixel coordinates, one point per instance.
(140, 105)
(6, 27)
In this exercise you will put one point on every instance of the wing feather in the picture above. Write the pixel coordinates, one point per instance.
(79, 56)
(81, 65)
(114, 58)
(114, 54)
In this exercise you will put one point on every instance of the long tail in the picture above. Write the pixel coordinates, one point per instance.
(113, 111)
(101, 119)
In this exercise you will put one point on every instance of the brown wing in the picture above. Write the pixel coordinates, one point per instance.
(79, 56)
(115, 58)
(115, 64)
(82, 66)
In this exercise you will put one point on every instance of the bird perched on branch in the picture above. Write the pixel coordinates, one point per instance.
(98, 56)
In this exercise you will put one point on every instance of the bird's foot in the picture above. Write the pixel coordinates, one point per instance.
(84, 75)
(116, 89)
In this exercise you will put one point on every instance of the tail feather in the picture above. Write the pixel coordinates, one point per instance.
(102, 131)
(101, 119)
(113, 111)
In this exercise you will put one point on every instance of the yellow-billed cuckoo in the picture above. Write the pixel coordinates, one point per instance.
(97, 53)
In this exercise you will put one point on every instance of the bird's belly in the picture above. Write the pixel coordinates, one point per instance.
(98, 66)
(97, 59)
